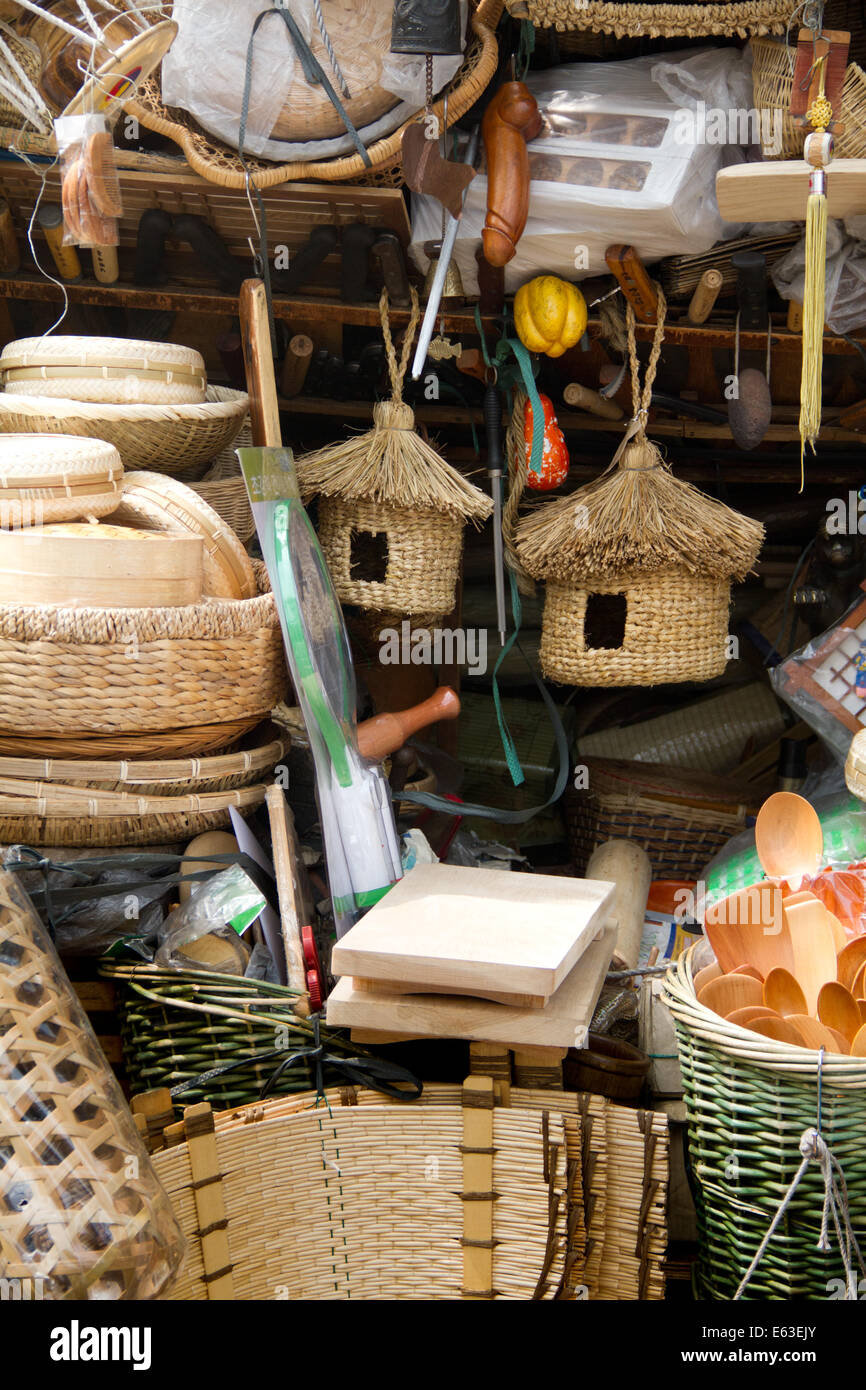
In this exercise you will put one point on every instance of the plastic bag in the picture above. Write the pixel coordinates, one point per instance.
(827, 677)
(222, 907)
(84, 1215)
(619, 150)
(90, 190)
(203, 73)
(845, 278)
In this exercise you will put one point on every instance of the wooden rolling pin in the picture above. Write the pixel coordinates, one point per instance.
(511, 119)
(583, 398)
(299, 355)
(65, 258)
(624, 863)
(385, 733)
(704, 297)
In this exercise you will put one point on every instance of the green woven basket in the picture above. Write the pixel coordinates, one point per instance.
(749, 1101)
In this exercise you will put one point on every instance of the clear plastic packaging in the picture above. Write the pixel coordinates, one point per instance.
(825, 680)
(624, 155)
(84, 1216)
(90, 188)
(221, 908)
(845, 278)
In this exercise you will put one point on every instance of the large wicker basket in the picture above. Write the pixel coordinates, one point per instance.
(675, 629)
(220, 163)
(681, 818)
(749, 1101)
(160, 438)
(107, 671)
(555, 1196)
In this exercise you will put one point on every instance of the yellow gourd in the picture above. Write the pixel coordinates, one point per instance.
(549, 315)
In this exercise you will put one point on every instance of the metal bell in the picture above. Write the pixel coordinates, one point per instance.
(453, 287)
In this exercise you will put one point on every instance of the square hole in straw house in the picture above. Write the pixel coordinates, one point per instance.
(604, 621)
(368, 556)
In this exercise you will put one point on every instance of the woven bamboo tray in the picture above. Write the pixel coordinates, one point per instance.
(773, 77)
(680, 818)
(161, 438)
(220, 164)
(749, 1102)
(110, 671)
(115, 370)
(81, 1208)
(564, 1221)
(45, 478)
(638, 20)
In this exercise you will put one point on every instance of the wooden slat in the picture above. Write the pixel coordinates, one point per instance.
(209, 1200)
(478, 1196)
(777, 191)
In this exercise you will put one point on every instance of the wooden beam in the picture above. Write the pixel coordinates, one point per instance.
(777, 190)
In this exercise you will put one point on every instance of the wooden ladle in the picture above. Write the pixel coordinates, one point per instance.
(788, 838)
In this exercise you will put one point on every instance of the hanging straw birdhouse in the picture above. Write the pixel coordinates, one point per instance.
(391, 510)
(638, 566)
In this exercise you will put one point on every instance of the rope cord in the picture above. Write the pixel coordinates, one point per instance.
(397, 372)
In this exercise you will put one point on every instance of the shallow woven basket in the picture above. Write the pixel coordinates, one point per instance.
(681, 818)
(638, 20)
(423, 555)
(130, 670)
(359, 1196)
(749, 1101)
(676, 629)
(220, 163)
(229, 497)
(773, 77)
(56, 815)
(160, 438)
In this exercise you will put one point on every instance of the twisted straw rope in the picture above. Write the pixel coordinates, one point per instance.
(398, 374)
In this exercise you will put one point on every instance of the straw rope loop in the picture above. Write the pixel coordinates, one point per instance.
(398, 373)
(641, 400)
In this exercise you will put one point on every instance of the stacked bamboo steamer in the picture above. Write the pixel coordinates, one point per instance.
(117, 371)
(145, 611)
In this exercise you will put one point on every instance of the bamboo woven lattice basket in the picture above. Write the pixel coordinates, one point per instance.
(361, 1197)
(108, 671)
(680, 818)
(749, 1102)
(159, 438)
(773, 77)
(80, 1207)
(636, 20)
(220, 163)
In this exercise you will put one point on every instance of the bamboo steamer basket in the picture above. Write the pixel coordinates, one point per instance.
(45, 478)
(157, 504)
(132, 671)
(220, 164)
(159, 438)
(45, 813)
(116, 370)
(750, 1100)
(82, 1209)
(77, 565)
(157, 777)
(195, 740)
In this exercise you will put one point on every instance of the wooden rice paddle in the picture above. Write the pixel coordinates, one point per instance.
(850, 962)
(811, 943)
(749, 926)
(731, 992)
(750, 971)
(837, 1007)
(813, 1033)
(783, 994)
(858, 1046)
(861, 1005)
(709, 972)
(788, 838)
(747, 1016)
(779, 1029)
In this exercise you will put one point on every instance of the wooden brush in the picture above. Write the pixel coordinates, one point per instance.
(102, 178)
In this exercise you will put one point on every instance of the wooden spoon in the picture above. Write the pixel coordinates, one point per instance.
(858, 1046)
(837, 1007)
(750, 926)
(750, 971)
(850, 961)
(779, 1029)
(789, 838)
(745, 1017)
(703, 977)
(783, 995)
(858, 988)
(843, 1044)
(811, 943)
(861, 1005)
(840, 939)
(813, 1033)
(731, 992)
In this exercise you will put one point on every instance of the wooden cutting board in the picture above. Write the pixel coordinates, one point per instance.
(777, 191)
(563, 1021)
(444, 926)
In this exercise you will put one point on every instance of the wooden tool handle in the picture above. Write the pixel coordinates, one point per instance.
(65, 258)
(705, 296)
(105, 265)
(471, 363)
(259, 364)
(491, 284)
(625, 263)
(299, 355)
(385, 733)
(795, 316)
(511, 119)
(585, 399)
(10, 258)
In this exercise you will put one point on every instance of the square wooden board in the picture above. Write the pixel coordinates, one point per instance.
(443, 925)
(562, 1023)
